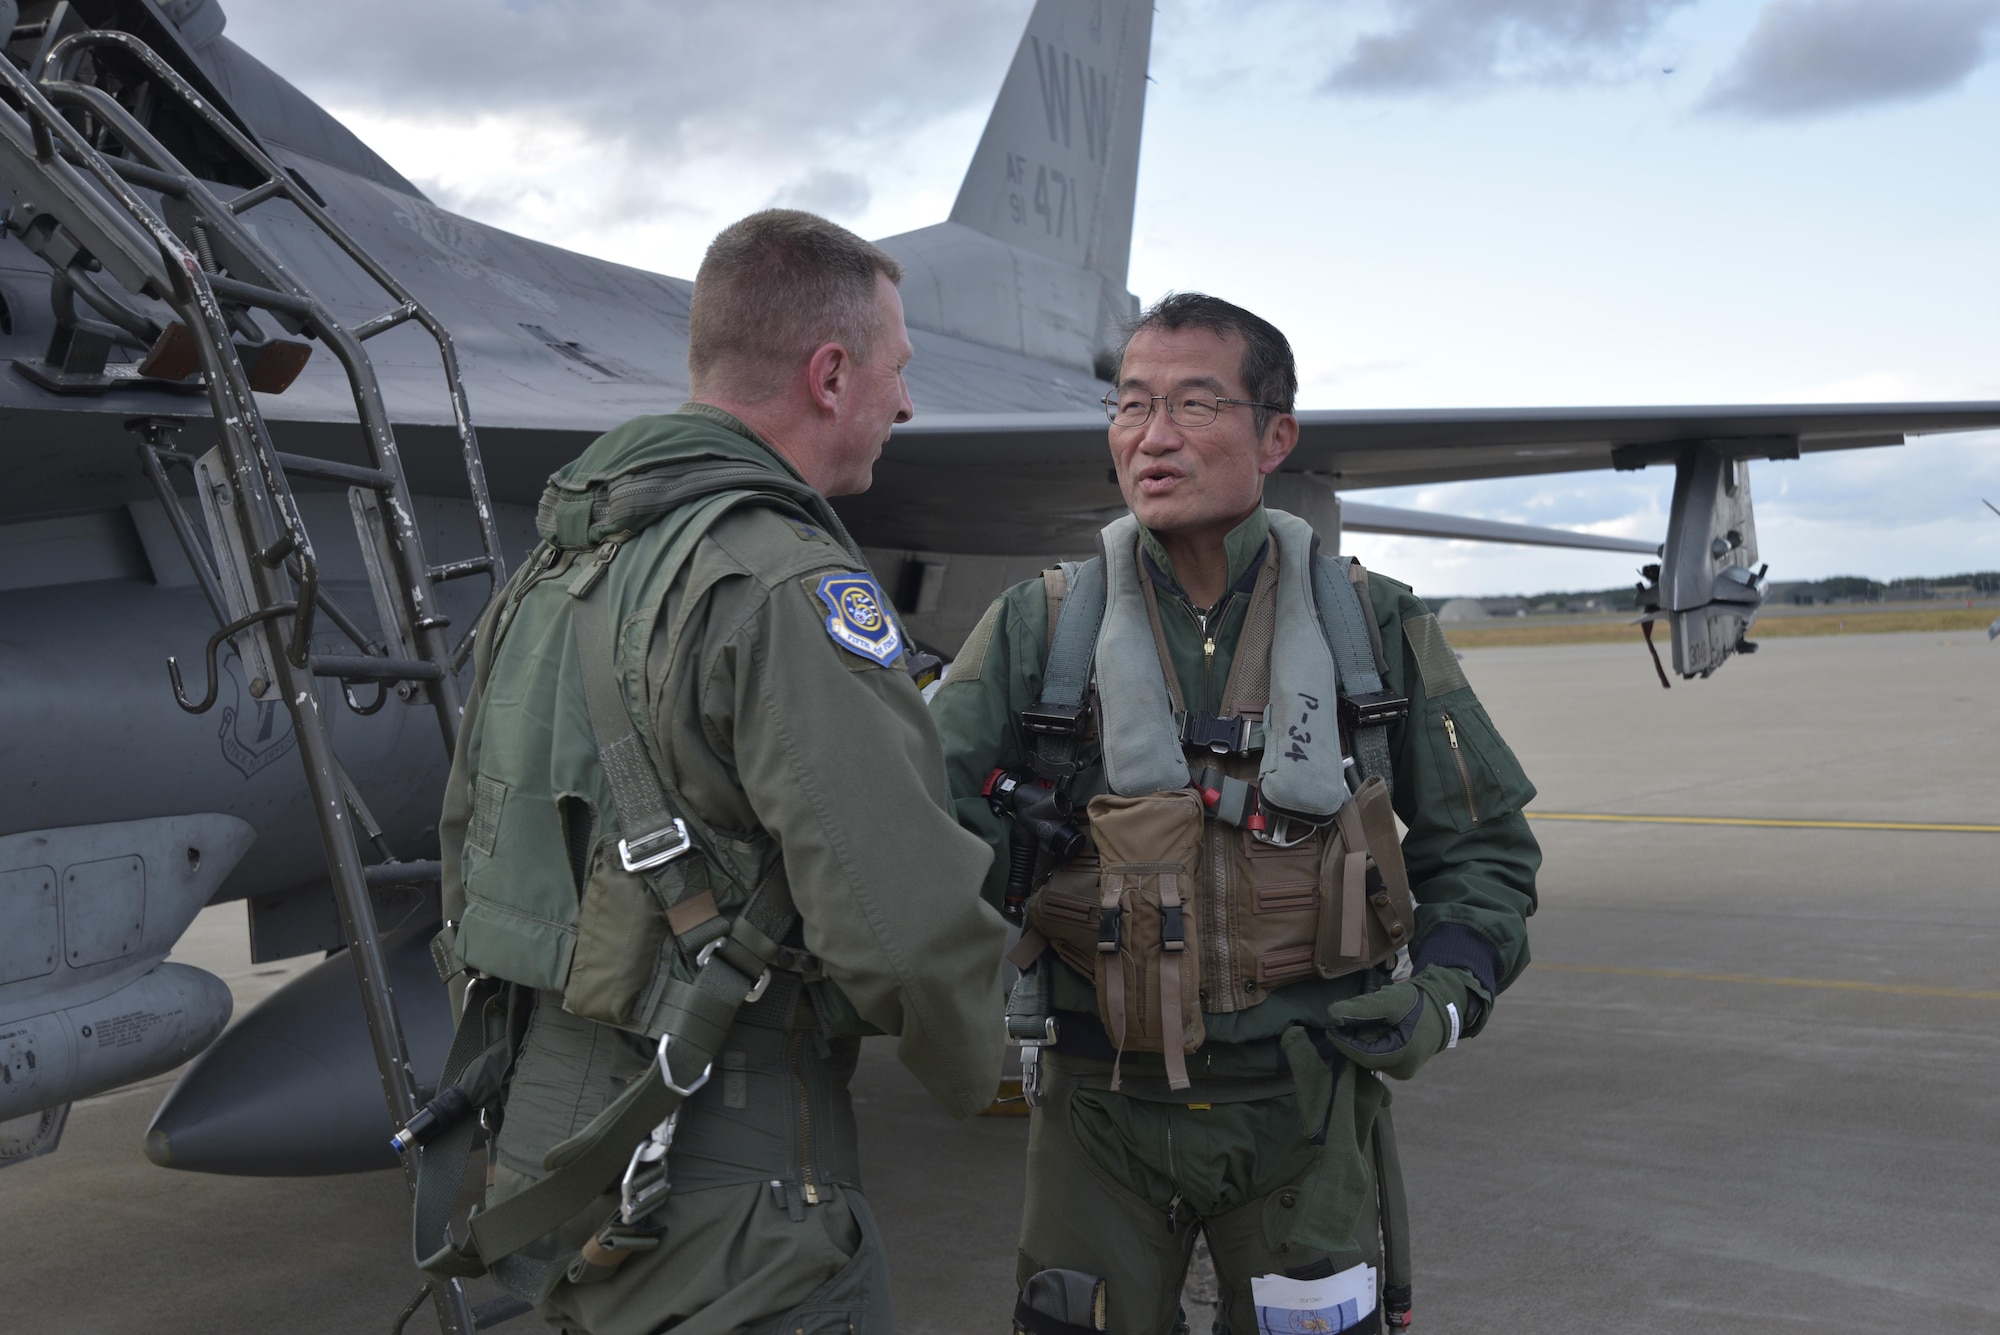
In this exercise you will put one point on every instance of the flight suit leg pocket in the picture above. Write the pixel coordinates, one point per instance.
(855, 1300)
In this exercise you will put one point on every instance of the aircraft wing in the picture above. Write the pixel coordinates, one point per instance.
(1040, 481)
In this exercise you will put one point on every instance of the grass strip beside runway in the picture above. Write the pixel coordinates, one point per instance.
(1510, 633)
(1927, 827)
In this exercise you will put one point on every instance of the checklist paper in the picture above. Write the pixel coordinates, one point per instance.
(1313, 1306)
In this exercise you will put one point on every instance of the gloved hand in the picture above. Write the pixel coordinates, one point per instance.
(1399, 1028)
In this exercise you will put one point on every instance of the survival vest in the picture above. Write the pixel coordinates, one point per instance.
(1232, 855)
(571, 864)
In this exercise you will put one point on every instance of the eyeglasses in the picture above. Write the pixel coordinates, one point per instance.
(1135, 410)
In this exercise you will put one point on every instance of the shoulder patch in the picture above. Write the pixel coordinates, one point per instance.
(858, 619)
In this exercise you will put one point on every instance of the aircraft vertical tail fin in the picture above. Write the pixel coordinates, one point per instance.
(1058, 166)
(1033, 258)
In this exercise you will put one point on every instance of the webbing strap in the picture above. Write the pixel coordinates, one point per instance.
(441, 1163)
(1346, 626)
(1395, 1219)
(1073, 642)
(647, 807)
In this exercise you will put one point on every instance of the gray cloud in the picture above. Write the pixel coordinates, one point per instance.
(1448, 45)
(836, 194)
(759, 77)
(1811, 57)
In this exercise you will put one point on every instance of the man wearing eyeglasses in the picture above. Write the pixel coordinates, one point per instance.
(1186, 754)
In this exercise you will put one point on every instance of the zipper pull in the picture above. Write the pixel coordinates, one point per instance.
(1208, 650)
(1450, 731)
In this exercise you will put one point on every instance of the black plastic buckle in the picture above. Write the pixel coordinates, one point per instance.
(1372, 709)
(1109, 937)
(1054, 720)
(1224, 736)
(1173, 934)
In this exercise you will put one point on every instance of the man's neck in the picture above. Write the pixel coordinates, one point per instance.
(1201, 564)
(768, 420)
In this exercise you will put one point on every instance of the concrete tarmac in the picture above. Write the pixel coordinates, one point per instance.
(1751, 1079)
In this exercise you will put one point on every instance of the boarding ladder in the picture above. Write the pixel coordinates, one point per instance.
(84, 172)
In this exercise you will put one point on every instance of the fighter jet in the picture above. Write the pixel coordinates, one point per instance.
(269, 411)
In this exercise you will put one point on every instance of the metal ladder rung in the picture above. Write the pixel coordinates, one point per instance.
(255, 294)
(384, 322)
(251, 198)
(367, 667)
(138, 173)
(477, 565)
(415, 872)
(327, 470)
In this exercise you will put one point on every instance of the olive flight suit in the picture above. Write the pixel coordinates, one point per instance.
(1118, 1182)
(809, 756)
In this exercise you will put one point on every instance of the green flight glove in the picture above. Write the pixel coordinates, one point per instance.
(1399, 1028)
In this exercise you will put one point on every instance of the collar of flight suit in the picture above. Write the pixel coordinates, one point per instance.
(1243, 546)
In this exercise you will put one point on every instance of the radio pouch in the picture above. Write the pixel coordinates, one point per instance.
(1147, 963)
(1366, 913)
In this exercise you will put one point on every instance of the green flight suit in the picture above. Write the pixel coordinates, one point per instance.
(1119, 1182)
(792, 747)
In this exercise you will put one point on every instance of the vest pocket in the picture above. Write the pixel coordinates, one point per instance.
(1065, 911)
(1366, 912)
(620, 932)
(1147, 947)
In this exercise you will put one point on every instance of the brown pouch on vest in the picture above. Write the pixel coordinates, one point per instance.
(1365, 908)
(1147, 951)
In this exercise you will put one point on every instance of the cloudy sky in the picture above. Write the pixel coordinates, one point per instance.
(1443, 202)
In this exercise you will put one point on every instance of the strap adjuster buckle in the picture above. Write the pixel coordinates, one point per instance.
(1224, 736)
(633, 857)
(754, 995)
(1054, 720)
(667, 1074)
(1372, 709)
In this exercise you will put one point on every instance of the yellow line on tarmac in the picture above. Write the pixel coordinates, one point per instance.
(1821, 984)
(1926, 826)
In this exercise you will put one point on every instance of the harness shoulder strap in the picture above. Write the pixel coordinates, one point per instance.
(1078, 612)
(1368, 708)
(1054, 723)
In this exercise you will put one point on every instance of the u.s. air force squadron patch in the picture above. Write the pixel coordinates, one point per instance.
(857, 619)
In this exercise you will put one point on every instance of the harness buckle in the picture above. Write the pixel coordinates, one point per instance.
(1031, 1072)
(1054, 720)
(1224, 736)
(1371, 709)
(632, 854)
(644, 1187)
(756, 993)
(667, 1073)
(1282, 831)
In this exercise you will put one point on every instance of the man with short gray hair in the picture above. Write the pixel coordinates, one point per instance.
(698, 827)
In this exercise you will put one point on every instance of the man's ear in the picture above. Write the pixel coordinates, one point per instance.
(1279, 440)
(827, 375)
